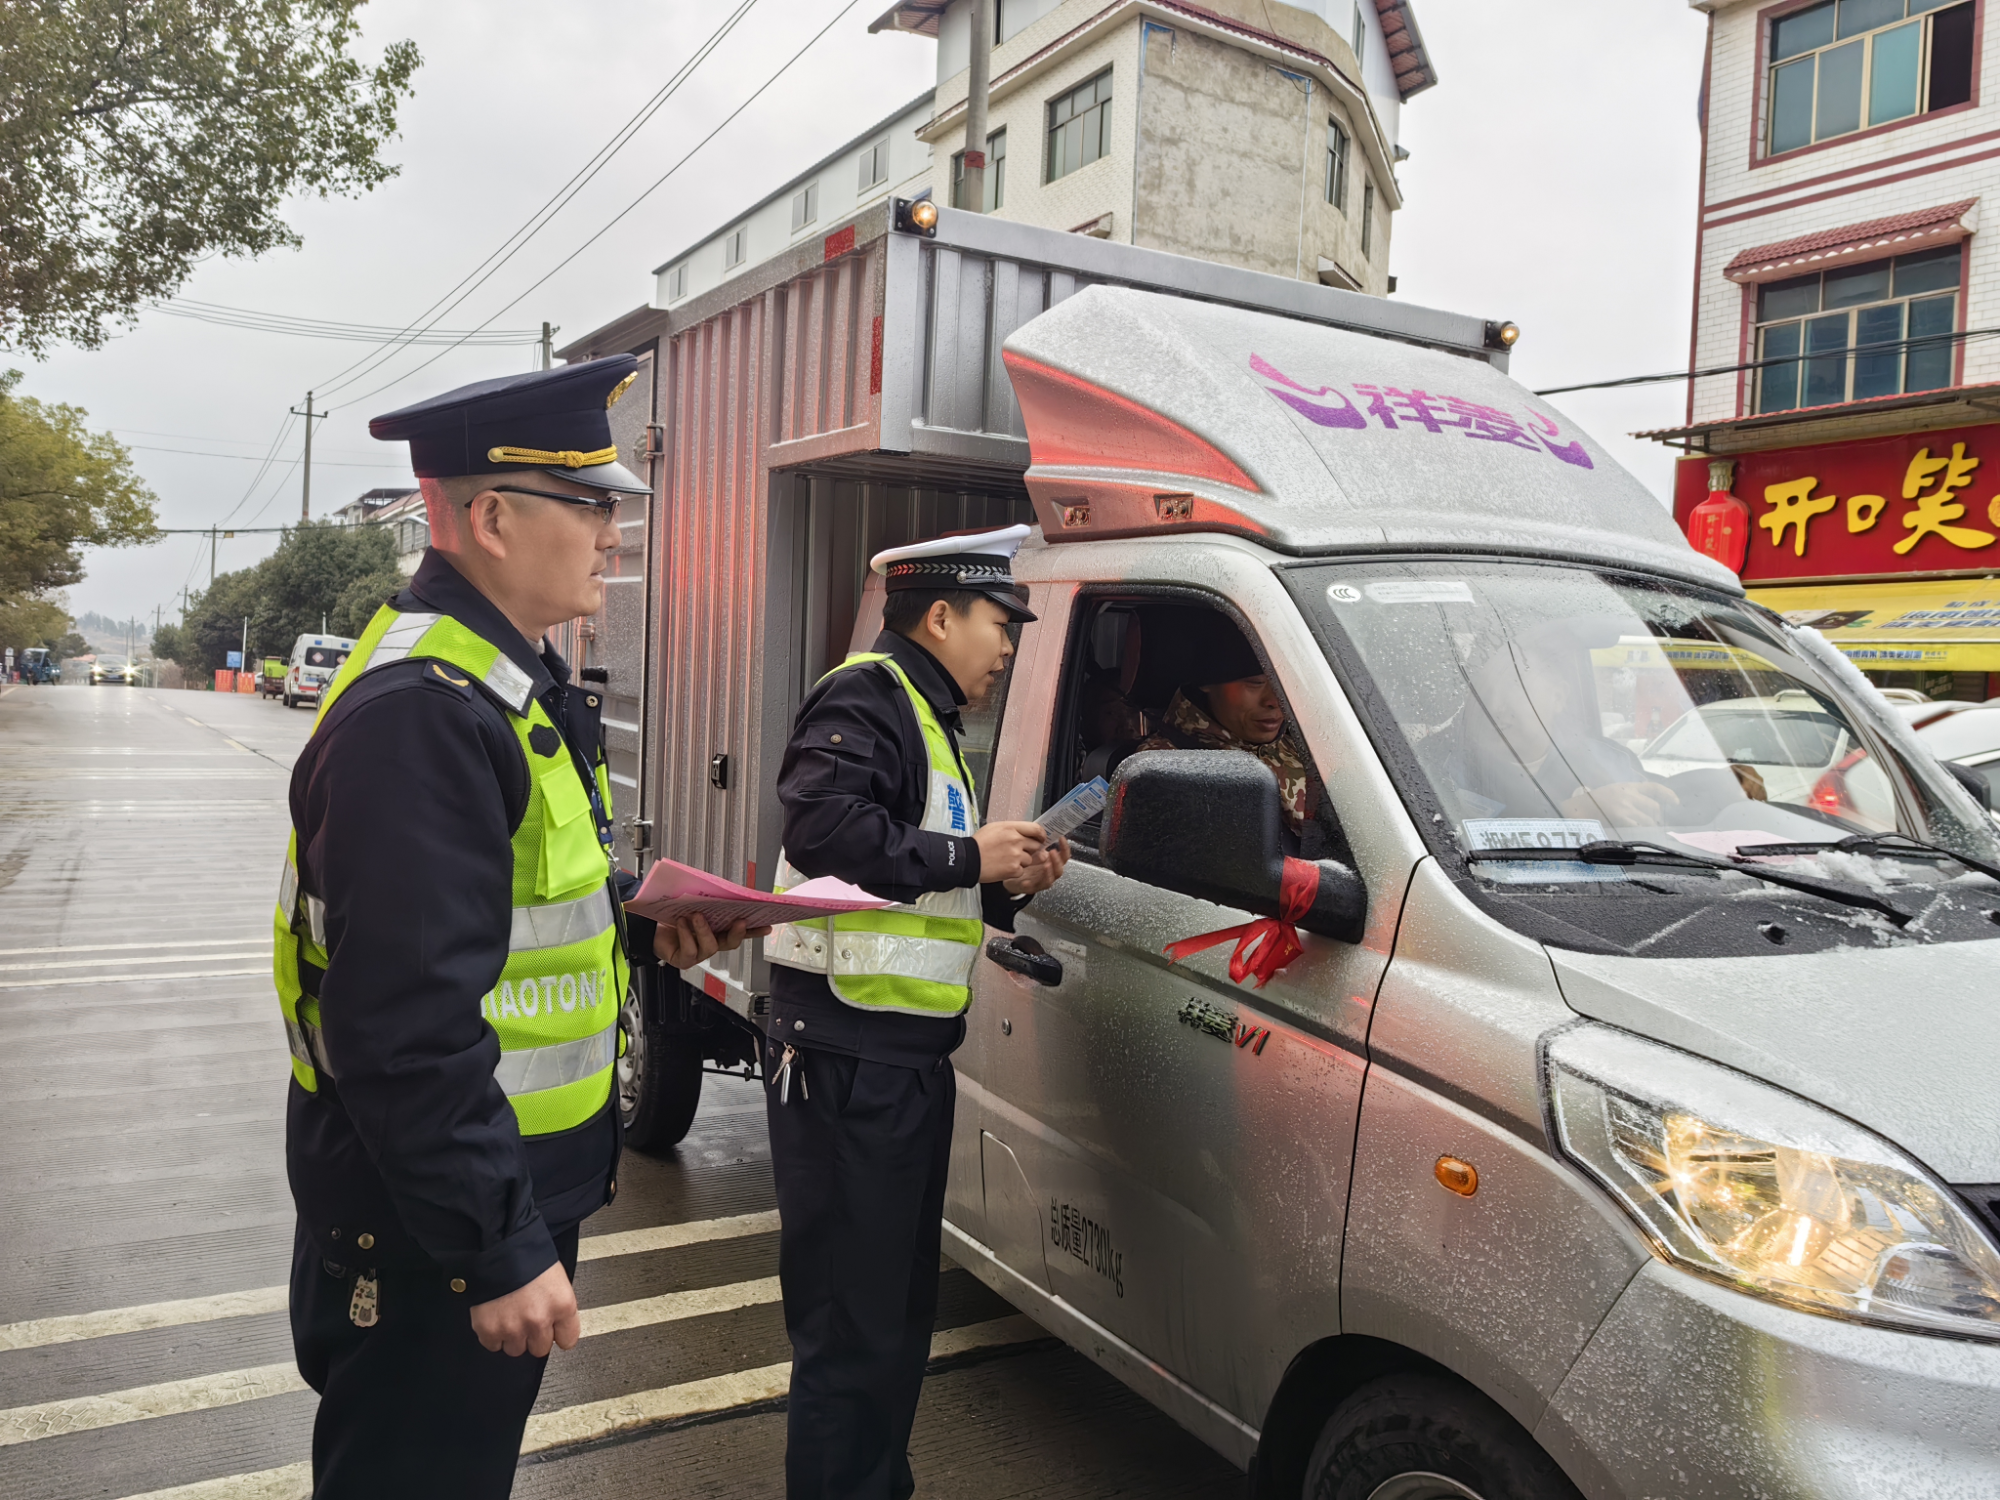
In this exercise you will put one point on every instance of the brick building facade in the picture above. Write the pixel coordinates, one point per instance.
(1843, 436)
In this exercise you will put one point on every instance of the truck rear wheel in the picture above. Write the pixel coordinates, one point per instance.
(659, 1078)
(1428, 1437)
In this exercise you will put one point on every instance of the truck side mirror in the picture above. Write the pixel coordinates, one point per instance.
(1980, 788)
(1207, 823)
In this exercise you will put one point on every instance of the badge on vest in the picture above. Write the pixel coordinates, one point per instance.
(955, 801)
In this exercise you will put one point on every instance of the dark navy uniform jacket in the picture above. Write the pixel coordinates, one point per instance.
(405, 801)
(854, 783)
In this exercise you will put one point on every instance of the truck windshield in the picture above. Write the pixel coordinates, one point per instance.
(1548, 708)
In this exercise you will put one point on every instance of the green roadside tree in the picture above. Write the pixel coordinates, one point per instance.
(314, 583)
(360, 599)
(138, 137)
(62, 488)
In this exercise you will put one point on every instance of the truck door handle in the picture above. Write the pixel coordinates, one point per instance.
(1023, 955)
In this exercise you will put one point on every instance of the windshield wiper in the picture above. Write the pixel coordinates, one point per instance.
(1620, 852)
(1872, 843)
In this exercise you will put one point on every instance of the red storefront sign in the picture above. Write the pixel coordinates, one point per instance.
(1922, 502)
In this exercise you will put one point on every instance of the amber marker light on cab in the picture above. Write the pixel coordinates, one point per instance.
(1456, 1176)
(1502, 335)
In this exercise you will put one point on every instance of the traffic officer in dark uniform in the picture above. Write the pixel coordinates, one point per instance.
(452, 955)
(867, 1009)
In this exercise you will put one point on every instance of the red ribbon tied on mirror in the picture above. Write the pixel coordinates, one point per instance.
(1264, 946)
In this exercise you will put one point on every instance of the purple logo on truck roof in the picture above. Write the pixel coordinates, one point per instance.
(1396, 408)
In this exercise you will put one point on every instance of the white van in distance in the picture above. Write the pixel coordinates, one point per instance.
(315, 658)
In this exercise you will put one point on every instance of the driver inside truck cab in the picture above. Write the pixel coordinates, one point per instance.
(1528, 742)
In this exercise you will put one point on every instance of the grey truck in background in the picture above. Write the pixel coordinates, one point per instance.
(1626, 1126)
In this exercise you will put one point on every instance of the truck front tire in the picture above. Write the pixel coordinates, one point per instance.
(658, 1077)
(1428, 1437)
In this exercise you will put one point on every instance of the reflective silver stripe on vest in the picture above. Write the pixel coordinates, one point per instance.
(533, 1069)
(288, 892)
(316, 919)
(510, 682)
(308, 1046)
(939, 961)
(560, 923)
(400, 639)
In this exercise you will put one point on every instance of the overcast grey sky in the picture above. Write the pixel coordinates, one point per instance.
(1551, 180)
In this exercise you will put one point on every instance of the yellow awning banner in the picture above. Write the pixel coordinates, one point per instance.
(1941, 626)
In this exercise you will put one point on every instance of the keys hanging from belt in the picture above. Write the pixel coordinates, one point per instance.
(783, 1077)
(364, 1307)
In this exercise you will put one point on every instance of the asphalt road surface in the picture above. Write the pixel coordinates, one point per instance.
(145, 1224)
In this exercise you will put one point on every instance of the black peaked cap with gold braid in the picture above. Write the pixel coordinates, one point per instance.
(555, 420)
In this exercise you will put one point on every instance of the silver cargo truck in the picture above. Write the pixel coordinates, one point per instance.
(1625, 1123)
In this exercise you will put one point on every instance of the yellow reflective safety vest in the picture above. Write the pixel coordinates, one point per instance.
(915, 959)
(555, 1006)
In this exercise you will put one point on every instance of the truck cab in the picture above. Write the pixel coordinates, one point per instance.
(1620, 1122)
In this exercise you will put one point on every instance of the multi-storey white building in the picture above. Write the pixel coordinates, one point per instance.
(1850, 160)
(1259, 135)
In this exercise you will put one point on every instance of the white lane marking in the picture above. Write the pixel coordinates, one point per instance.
(234, 746)
(38, 1332)
(51, 984)
(27, 1424)
(591, 1421)
(673, 1307)
(156, 958)
(128, 947)
(672, 1236)
(171, 1398)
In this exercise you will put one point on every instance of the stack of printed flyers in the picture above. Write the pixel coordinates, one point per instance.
(673, 891)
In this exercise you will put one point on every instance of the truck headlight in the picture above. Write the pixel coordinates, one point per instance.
(1742, 1182)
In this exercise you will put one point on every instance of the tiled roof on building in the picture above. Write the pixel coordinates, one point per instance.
(1414, 72)
(1809, 252)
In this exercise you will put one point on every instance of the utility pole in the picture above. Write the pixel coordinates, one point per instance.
(306, 490)
(211, 556)
(548, 345)
(984, 13)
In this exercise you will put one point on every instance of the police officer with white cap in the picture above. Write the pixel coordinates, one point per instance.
(452, 955)
(866, 1009)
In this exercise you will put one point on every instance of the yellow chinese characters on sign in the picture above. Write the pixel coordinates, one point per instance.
(1932, 486)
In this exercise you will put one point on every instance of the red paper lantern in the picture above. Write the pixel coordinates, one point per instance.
(1719, 527)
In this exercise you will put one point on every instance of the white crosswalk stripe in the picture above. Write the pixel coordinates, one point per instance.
(592, 1421)
(38, 1332)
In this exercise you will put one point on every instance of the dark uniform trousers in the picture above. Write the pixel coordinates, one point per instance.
(413, 1406)
(860, 1150)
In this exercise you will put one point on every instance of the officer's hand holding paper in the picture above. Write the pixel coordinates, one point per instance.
(692, 907)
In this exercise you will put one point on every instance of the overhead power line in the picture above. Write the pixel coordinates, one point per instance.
(251, 458)
(537, 221)
(656, 185)
(1879, 347)
(327, 328)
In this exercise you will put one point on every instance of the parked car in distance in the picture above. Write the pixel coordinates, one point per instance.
(271, 677)
(315, 658)
(1970, 738)
(114, 669)
(1789, 745)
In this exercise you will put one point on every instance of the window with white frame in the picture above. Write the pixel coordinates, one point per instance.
(875, 164)
(677, 282)
(1360, 34)
(995, 195)
(1879, 329)
(1079, 126)
(735, 245)
(1368, 220)
(805, 206)
(1337, 148)
(1847, 65)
